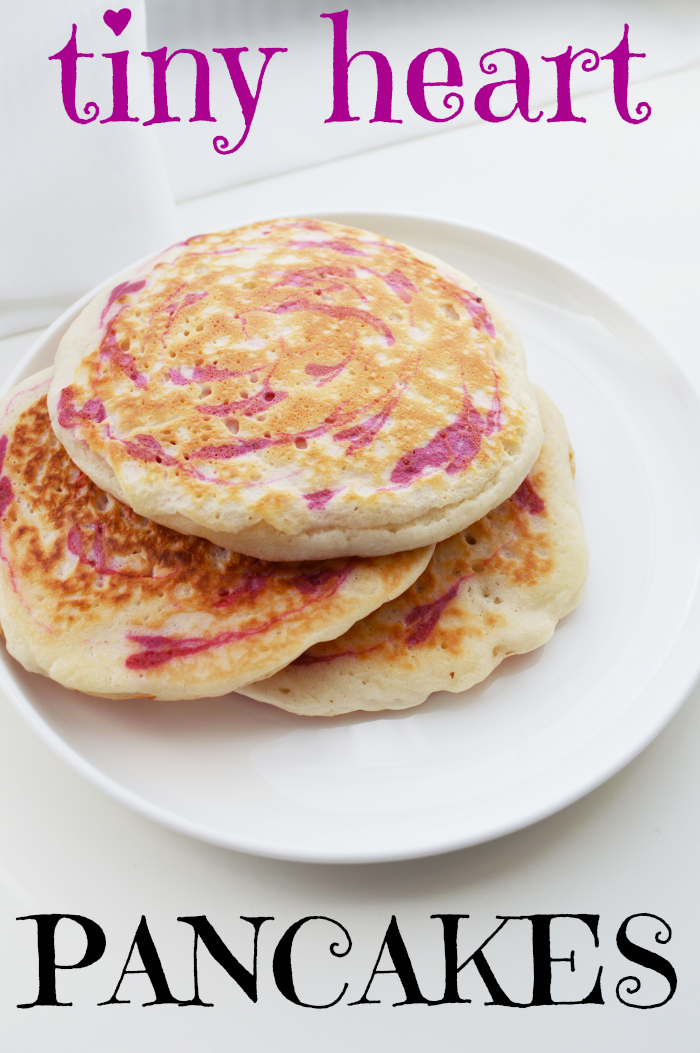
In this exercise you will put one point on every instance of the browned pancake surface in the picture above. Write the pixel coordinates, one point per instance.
(124, 603)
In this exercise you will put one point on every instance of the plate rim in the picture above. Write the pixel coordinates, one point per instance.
(682, 679)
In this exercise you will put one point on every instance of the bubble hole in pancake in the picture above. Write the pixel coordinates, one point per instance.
(104, 601)
(495, 589)
(298, 389)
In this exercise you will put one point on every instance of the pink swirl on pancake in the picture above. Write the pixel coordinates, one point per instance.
(453, 448)
(527, 497)
(340, 311)
(157, 650)
(69, 415)
(123, 289)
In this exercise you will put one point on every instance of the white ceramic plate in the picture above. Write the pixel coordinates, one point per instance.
(545, 728)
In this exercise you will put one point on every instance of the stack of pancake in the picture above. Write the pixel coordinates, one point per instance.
(295, 459)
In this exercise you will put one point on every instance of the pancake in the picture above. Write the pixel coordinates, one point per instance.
(104, 601)
(495, 589)
(298, 390)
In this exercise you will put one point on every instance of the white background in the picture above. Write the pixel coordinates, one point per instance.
(619, 203)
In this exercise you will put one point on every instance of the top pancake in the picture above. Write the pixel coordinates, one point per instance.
(297, 389)
(102, 600)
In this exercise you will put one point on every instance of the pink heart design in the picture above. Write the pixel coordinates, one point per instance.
(117, 20)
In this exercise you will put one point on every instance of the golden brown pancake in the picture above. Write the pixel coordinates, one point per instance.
(495, 589)
(298, 389)
(105, 601)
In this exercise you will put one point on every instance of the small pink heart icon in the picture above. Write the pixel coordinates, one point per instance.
(117, 20)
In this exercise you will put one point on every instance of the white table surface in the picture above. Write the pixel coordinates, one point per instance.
(619, 203)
